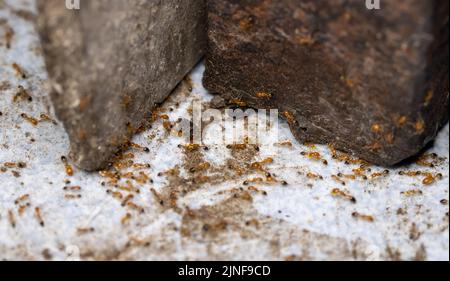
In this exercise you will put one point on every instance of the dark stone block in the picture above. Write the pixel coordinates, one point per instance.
(370, 82)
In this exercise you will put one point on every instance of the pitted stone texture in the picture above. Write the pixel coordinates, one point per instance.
(370, 82)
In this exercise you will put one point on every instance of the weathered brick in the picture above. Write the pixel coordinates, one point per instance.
(370, 82)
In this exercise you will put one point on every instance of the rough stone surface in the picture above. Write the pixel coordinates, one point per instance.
(206, 218)
(370, 82)
(112, 62)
